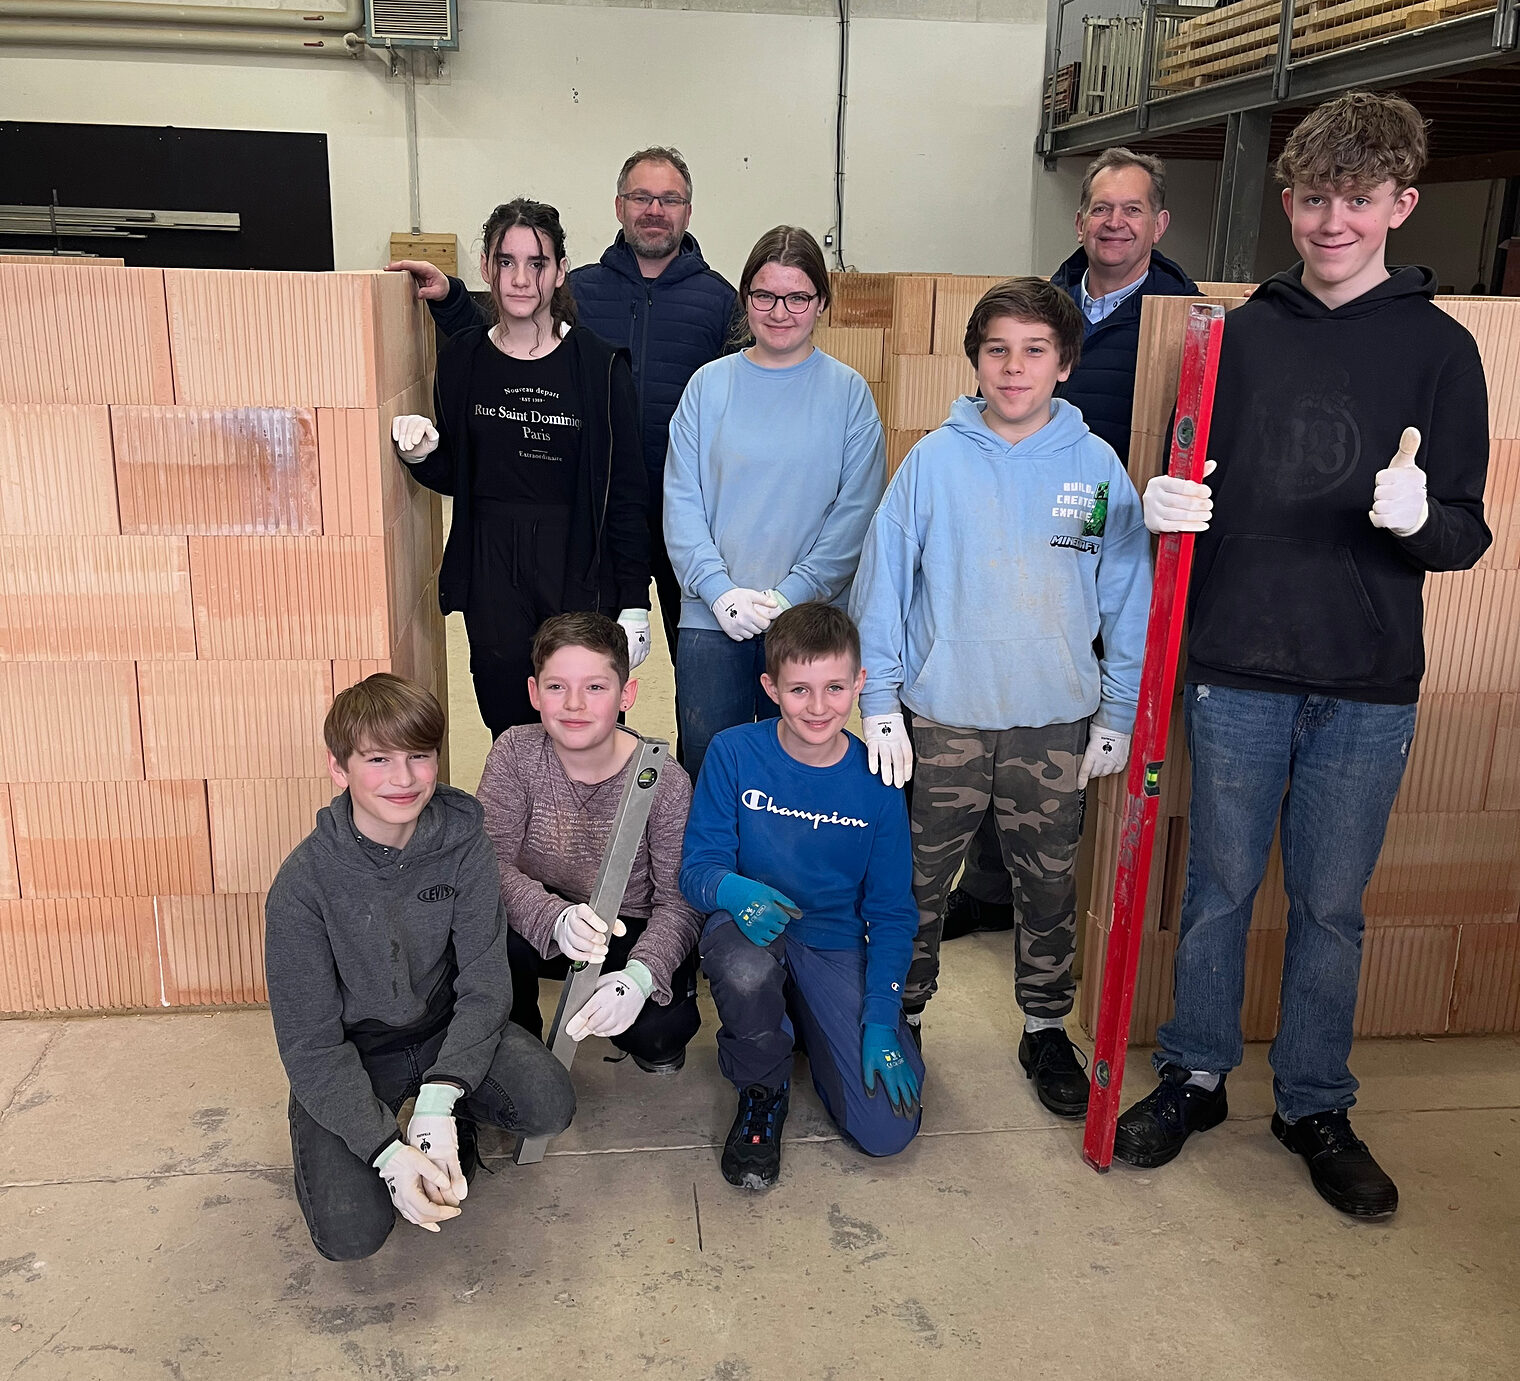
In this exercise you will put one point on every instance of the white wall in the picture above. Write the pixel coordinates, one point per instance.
(547, 99)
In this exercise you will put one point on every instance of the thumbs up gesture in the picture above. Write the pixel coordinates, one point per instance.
(1398, 495)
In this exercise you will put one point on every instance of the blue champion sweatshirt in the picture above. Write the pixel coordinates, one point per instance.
(833, 839)
(990, 569)
(770, 481)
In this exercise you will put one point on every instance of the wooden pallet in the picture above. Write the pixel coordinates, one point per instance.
(1243, 38)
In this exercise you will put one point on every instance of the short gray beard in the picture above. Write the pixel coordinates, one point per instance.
(653, 249)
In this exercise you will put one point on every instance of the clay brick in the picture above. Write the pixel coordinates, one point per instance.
(881, 395)
(217, 470)
(1501, 505)
(1450, 757)
(1406, 981)
(255, 825)
(293, 339)
(289, 598)
(860, 299)
(1504, 776)
(1446, 868)
(924, 387)
(10, 885)
(69, 722)
(83, 334)
(349, 672)
(912, 315)
(860, 347)
(111, 839)
(234, 720)
(352, 464)
(55, 469)
(79, 954)
(1492, 323)
(898, 446)
(1485, 994)
(1472, 632)
(212, 950)
(66, 598)
(954, 297)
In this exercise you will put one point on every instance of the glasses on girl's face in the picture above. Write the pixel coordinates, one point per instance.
(796, 303)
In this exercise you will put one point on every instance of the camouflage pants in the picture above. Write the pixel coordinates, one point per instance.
(1029, 777)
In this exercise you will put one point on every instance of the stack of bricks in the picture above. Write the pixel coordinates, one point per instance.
(1442, 948)
(203, 534)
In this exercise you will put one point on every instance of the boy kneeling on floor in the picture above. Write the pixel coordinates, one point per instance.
(386, 949)
(551, 793)
(787, 809)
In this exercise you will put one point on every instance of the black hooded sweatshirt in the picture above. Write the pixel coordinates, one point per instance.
(1293, 588)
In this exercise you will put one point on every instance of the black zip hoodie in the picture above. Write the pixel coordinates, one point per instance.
(1293, 588)
(607, 554)
(373, 949)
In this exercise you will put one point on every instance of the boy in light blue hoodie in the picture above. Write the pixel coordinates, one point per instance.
(1010, 548)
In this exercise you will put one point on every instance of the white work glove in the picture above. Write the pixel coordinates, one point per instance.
(582, 935)
(1398, 495)
(1173, 505)
(636, 625)
(614, 1005)
(432, 1131)
(412, 1178)
(743, 614)
(1107, 753)
(431, 282)
(416, 438)
(889, 750)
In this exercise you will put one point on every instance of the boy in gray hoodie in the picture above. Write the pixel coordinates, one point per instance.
(386, 951)
(1009, 543)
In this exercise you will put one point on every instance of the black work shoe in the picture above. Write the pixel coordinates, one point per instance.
(1340, 1165)
(469, 1147)
(752, 1153)
(1153, 1130)
(1058, 1069)
(674, 1065)
(965, 915)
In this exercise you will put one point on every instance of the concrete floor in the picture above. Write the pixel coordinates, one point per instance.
(148, 1226)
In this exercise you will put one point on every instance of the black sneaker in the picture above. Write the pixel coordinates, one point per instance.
(1340, 1165)
(965, 915)
(674, 1065)
(752, 1153)
(1058, 1069)
(1153, 1130)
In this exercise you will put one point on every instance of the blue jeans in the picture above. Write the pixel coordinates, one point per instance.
(1340, 763)
(759, 991)
(717, 687)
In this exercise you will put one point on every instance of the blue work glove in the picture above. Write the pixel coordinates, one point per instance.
(882, 1055)
(761, 912)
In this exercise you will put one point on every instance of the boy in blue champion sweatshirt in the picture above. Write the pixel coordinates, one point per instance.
(787, 808)
(1008, 543)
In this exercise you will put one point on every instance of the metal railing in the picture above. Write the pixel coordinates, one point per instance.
(1109, 56)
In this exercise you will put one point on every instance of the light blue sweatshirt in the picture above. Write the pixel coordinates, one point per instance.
(770, 481)
(990, 569)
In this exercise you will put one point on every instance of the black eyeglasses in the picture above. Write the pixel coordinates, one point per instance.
(671, 201)
(796, 303)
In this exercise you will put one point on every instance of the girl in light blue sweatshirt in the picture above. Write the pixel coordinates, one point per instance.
(1010, 542)
(775, 466)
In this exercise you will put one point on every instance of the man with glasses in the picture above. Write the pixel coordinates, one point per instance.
(651, 294)
(1121, 219)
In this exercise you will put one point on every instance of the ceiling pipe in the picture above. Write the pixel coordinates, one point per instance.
(339, 18)
(286, 42)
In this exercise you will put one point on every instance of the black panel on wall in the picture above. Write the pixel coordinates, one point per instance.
(277, 183)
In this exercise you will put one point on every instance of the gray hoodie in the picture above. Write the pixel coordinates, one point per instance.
(373, 947)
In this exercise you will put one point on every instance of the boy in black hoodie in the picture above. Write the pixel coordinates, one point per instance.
(1305, 646)
(386, 950)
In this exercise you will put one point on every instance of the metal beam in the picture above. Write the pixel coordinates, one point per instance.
(1237, 211)
(1411, 56)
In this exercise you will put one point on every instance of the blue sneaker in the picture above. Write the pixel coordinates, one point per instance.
(752, 1153)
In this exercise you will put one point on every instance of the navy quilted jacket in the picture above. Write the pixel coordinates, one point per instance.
(1103, 383)
(671, 326)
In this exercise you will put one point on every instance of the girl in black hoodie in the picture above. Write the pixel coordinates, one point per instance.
(537, 441)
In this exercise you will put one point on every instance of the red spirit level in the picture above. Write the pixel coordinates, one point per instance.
(1163, 640)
